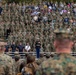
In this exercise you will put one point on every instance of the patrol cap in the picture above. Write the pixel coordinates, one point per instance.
(47, 55)
(16, 53)
(63, 33)
(41, 54)
(52, 54)
(17, 57)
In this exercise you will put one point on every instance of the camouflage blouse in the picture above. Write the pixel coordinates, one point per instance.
(61, 64)
(6, 65)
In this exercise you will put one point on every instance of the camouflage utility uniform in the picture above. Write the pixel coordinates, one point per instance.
(62, 64)
(6, 65)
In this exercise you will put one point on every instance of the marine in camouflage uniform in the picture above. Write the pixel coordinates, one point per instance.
(30, 67)
(41, 59)
(19, 63)
(6, 62)
(62, 63)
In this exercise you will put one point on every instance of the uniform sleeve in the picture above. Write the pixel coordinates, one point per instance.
(10, 67)
(13, 68)
(38, 71)
(71, 68)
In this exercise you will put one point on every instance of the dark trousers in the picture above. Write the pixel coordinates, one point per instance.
(37, 52)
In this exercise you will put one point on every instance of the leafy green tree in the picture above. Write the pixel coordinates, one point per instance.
(37, 1)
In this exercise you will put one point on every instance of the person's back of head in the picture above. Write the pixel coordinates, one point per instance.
(30, 67)
(47, 55)
(30, 58)
(41, 55)
(17, 57)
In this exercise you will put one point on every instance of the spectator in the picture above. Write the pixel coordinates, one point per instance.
(13, 46)
(27, 47)
(20, 47)
(38, 46)
(7, 47)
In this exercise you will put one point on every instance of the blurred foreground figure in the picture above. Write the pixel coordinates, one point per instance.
(30, 67)
(1, 9)
(62, 63)
(6, 62)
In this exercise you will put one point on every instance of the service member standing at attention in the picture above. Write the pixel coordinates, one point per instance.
(6, 62)
(38, 47)
(62, 63)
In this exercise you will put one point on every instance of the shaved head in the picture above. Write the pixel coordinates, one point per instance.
(60, 45)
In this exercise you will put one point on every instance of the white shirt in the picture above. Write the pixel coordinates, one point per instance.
(27, 48)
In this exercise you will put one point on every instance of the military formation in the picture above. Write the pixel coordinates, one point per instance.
(53, 24)
(27, 22)
(59, 63)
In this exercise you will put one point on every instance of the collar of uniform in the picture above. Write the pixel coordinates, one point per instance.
(59, 55)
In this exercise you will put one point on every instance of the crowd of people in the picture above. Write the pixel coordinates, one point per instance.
(46, 27)
(25, 23)
(61, 62)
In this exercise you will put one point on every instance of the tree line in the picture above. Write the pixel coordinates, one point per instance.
(37, 1)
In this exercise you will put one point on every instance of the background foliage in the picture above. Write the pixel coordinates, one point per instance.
(38, 1)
